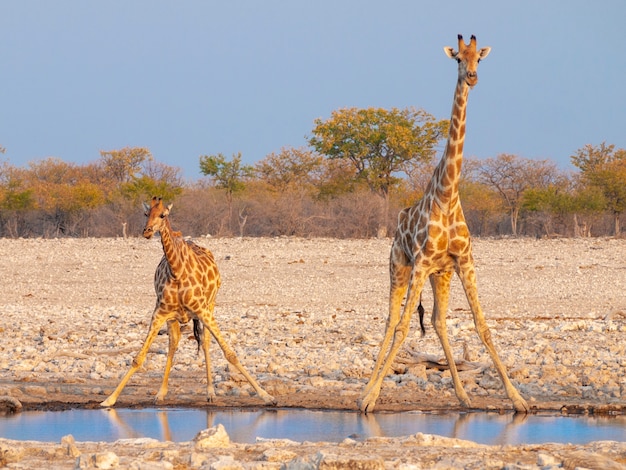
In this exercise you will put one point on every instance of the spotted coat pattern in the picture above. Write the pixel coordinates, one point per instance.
(432, 242)
(186, 282)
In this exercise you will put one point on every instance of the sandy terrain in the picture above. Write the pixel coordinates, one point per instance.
(305, 318)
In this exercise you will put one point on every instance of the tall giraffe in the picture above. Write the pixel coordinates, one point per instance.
(432, 241)
(186, 283)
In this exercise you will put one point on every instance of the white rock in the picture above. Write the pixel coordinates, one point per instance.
(211, 438)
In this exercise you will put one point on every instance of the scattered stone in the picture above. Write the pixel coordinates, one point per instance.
(9, 404)
(310, 332)
(329, 461)
(581, 459)
(212, 438)
(70, 445)
(104, 460)
(278, 455)
(546, 460)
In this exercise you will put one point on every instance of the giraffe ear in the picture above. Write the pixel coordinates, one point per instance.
(484, 52)
(146, 207)
(168, 209)
(450, 52)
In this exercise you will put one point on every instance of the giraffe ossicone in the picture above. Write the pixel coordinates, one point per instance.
(186, 282)
(432, 242)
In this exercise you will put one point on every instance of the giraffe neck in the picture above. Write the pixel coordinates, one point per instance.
(445, 182)
(172, 249)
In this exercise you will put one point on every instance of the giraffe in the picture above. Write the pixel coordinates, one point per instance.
(186, 283)
(432, 241)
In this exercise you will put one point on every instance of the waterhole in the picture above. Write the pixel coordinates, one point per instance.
(244, 426)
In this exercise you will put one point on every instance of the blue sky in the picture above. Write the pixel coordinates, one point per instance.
(194, 78)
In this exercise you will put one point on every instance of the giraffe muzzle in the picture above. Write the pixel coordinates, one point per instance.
(148, 232)
(471, 78)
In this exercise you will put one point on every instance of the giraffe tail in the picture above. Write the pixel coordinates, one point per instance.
(198, 332)
(420, 310)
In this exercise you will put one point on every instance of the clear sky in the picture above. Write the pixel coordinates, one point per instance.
(191, 78)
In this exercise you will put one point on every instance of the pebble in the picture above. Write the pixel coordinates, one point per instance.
(78, 310)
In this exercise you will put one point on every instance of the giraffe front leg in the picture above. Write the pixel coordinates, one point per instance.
(441, 292)
(155, 326)
(368, 401)
(395, 305)
(173, 332)
(399, 274)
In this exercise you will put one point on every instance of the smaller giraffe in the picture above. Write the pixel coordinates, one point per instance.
(186, 283)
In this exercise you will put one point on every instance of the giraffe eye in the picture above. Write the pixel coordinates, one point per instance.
(163, 216)
(458, 61)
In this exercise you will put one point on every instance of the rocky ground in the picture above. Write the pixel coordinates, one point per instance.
(305, 318)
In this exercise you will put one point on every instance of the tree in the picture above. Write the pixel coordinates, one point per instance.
(155, 179)
(289, 168)
(512, 176)
(124, 164)
(604, 167)
(64, 193)
(227, 175)
(380, 143)
(16, 198)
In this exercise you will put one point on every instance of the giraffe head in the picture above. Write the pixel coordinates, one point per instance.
(156, 214)
(468, 57)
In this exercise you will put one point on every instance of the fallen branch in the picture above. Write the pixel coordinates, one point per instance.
(434, 362)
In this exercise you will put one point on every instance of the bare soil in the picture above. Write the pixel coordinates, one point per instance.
(306, 317)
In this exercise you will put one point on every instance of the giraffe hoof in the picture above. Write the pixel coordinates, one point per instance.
(269, 400)
(465, 402)
(521, 406)
(107, 403)
(365, 406)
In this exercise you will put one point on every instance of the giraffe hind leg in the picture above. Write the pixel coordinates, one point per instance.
(204, 342)
(468, 280)
(441, 292)
(231, 357)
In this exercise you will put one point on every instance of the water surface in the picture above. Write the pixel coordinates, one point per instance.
(244, 426)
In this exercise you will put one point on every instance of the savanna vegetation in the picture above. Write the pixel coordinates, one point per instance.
(361, 166)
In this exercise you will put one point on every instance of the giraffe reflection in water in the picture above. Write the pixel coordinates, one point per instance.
(245, 426)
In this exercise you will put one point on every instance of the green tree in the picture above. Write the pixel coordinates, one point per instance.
(154, 179)
(227, 175)
(380, 143)
(561, 200)
(143, 187)
(604, 167)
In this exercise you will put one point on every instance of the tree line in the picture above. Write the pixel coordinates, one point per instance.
(360, 167)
